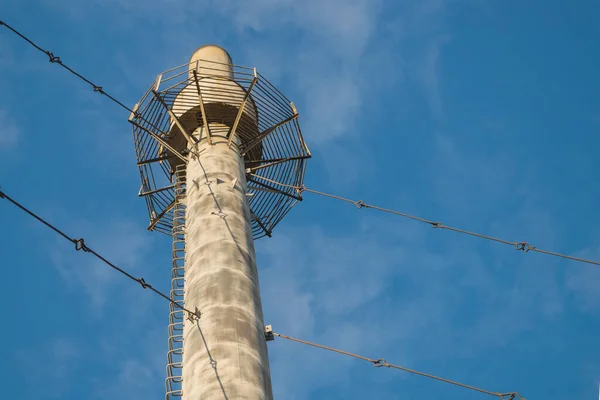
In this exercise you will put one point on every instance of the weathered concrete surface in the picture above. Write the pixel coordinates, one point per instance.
(225, 352)
(221, 280)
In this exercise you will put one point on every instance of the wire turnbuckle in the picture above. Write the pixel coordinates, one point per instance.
(524, 246)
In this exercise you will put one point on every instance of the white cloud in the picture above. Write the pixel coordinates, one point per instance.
(122, 243)
(335, 292)
(334, 289)
(317, 296)
(583, 281)
(447, 302)
(334, 59)
(135, 379)
(332, 104)
(327, 41)
(328, 50)
(9, 131)
(420, 32)
(460, 175)
(428, 74)
(135, 361)
(344, 25)
(8, 57)
(50, 365)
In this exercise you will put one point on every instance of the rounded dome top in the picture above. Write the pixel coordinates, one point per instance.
(211, 52)
(212, 60)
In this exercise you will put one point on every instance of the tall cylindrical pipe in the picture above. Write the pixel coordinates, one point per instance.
(225, 352)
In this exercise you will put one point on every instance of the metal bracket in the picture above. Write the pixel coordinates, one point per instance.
(269, 333)
(157, 83)
(195, 316)
(219, 214)
(134, 112)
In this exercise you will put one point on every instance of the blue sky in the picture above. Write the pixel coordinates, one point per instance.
(480, 114)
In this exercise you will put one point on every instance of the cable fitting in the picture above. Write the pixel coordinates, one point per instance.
(53, 58)
(437, 225)
(98, 89)
(524, 246)
(511, 396)
(80, 245)
(360, 204)
(380, 363)
(220, 214)
(194, 316)
(269, 333)
(143, 283)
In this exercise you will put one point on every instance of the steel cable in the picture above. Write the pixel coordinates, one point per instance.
(382, 363)
(521, 246)
(56, 60)
(80, 245)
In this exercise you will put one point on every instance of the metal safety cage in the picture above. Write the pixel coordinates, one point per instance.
(260, 121)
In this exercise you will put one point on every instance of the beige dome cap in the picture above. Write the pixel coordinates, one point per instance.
(211, 60)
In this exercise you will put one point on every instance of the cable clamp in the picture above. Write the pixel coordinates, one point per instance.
(194, 316)
(360, 204)
(143, 283)
(524, 246)
(437, 225)
(53, 58)
(80, 245)
(269, 333)
(97, 88)
(380, 363)
(219, 214)
(2, 195)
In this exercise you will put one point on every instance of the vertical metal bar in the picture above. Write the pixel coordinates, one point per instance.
(266, 133)
(202, 110)
(161, 141)
(174, 117)
(231, 133)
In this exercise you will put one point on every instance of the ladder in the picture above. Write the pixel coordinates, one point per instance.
(176, 315)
